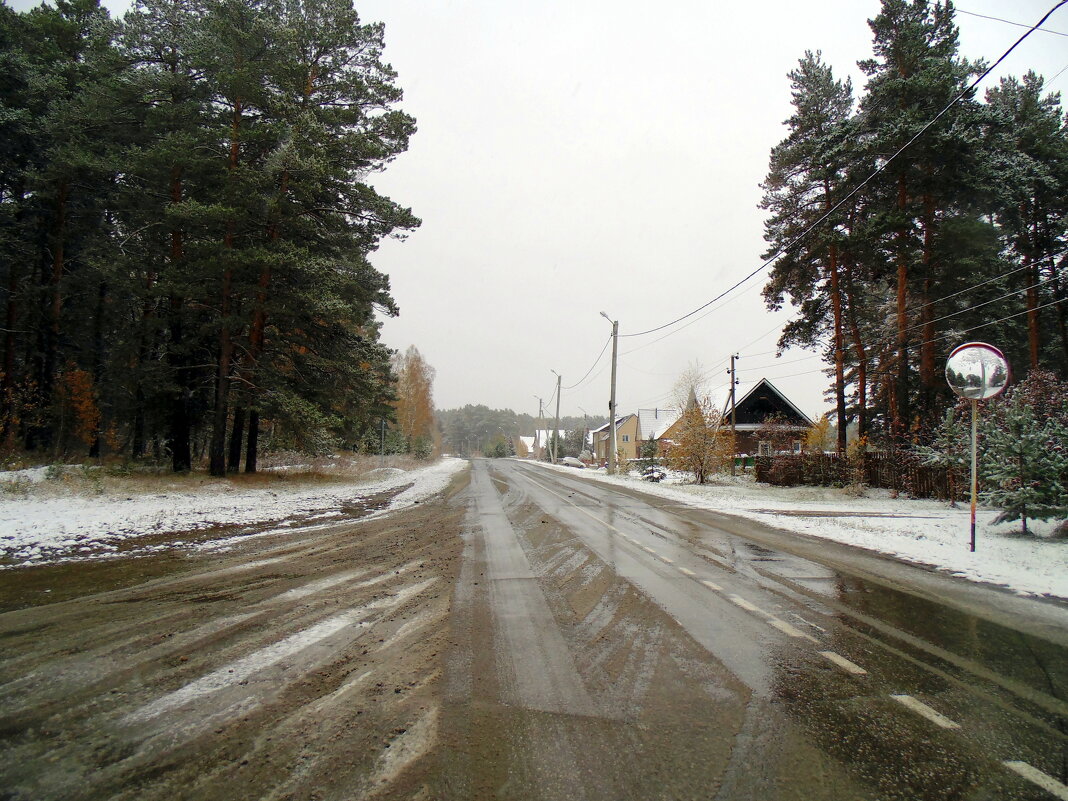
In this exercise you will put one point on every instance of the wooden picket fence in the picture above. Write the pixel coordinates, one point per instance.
(900, 471)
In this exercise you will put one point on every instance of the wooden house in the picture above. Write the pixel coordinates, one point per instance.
(751, 415)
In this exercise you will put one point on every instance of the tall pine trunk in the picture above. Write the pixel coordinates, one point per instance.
(256, 336)
(233, 461)
(7, 382)
(839, 355)
(11, 317)
(928, 377)
(180, 428)
(859, 348)
(1062, 324)
(44, 436)
(899, 387)
(217, 450)
(1031, 277)
(96, 448)
(252, 443)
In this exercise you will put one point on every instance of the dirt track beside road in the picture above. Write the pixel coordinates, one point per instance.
(299, 666)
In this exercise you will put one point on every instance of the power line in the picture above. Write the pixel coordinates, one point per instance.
(681, 327)
(1006, 21)
(972, 288)
(789, 361)
(1049, 83)
(796, 240)
(595, 361)
(978, 305)
(951, 335)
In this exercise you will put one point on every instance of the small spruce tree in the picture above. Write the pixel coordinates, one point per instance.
(950, 448)
(1024, 449)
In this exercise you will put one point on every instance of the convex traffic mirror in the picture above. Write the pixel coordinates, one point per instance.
(977, 371)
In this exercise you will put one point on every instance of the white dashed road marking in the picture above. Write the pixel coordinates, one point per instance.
(665, 559)
(843, 663)
(737, 600)
(807, 622)
(712, 585)
(687, 572)
(1047, 783)
(789, 630)
(923, 710)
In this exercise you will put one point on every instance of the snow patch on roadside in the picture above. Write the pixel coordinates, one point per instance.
(38, 530)
(921, 531)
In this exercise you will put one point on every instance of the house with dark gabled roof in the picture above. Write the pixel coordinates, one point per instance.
(754, 411)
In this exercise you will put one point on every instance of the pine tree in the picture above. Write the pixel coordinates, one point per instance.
(1032, 205)
(942, 177)
(805, 182)
(56, 173)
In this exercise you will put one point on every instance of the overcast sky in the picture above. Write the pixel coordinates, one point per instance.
(575, 156)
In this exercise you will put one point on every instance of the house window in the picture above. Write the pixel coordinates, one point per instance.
(797, 446)
(764, 449)
(626, 437)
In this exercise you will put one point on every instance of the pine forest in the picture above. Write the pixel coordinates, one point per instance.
(185, 225)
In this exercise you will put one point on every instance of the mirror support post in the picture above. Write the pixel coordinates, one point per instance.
(975, 482)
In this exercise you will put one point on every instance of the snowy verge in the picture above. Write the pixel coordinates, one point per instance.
(922, 531)
(36, 530)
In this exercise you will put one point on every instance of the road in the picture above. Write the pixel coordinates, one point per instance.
(531, 634)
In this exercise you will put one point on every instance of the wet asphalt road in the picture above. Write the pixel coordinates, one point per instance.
(633, 636)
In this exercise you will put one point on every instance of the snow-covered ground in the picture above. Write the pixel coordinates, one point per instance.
(922, 531)
(36, 529)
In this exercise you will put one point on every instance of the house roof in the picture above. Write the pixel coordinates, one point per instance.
(543, 436)
(764, 400)
(619, 421)
(652, 423)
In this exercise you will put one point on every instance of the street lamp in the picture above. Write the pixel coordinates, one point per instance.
(612, 398)
(556, 426)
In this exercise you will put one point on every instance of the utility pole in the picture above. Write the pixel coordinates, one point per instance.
(585, 427)
(734, 420)
(556, 427)
(612, 399)
(537, 431)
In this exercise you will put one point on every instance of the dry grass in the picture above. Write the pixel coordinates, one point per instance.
(276, 470)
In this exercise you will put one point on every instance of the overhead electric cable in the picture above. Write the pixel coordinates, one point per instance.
(1006, 21)
(793, 242)
(595, 361)
(1060, 72)
(888, 340)
(951, 335)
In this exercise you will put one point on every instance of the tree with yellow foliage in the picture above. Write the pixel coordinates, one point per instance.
(703, 445)
(415, 402)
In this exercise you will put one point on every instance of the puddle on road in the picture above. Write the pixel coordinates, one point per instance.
(1037, 663)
